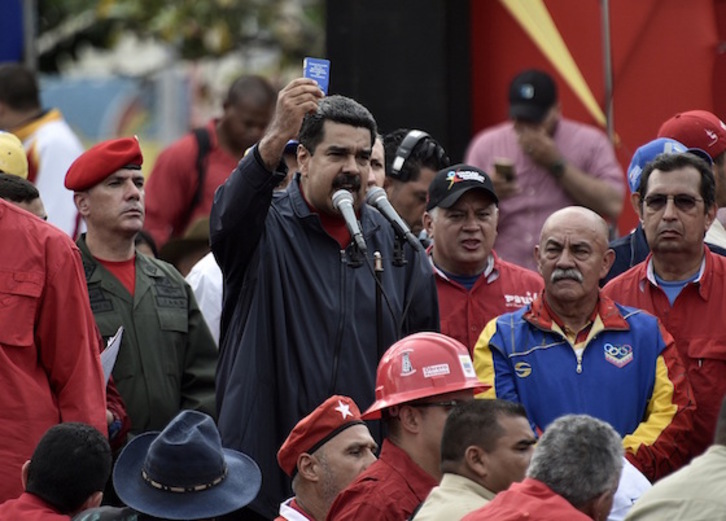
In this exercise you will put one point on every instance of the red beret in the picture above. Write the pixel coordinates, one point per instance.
(333, 416)
(102, 160)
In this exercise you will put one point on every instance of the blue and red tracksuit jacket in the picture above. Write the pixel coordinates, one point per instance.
(629, 374)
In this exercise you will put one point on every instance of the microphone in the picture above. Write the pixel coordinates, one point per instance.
(343, 202)
(376, 197)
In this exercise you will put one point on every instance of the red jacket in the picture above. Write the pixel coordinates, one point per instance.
(530, 500)
(502, 288)
(695, 322)
(390, 489)
(29, 508)
(173, 182)
(50, 369)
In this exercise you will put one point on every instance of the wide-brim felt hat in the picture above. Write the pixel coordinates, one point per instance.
(171, 478)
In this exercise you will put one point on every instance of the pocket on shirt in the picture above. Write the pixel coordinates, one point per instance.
(19, 300)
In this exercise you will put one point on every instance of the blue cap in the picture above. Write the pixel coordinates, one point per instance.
(647, 153)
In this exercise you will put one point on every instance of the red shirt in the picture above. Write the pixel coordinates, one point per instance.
(173, 182)
(29, 508)
(502, 288)
(390, 489)
(695, 322)
(50, 369)
(530, 500)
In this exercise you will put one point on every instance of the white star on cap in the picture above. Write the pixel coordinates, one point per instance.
(344, 409)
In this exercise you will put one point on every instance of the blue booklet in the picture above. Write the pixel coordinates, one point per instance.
(317, 69)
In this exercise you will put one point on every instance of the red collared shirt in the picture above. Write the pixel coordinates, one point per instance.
(50, 369)
(695, 322)
(502, 287)
(390, 489)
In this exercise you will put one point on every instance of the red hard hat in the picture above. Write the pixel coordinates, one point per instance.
(419, 366)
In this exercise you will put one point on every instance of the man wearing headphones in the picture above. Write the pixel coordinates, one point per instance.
(412, 160)
(420, 379)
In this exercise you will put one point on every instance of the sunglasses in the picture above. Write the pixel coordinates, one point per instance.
(683, 202)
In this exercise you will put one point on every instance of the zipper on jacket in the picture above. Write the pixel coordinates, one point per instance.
(341, 322)
(579, 362)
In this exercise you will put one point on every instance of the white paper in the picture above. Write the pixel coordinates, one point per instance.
(109, 355)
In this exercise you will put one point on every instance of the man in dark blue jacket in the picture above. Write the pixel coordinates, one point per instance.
(299, 320)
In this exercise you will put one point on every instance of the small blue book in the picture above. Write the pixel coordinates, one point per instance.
(317, 69)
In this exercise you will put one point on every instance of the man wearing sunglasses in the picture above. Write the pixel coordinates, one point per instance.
(682, 281)
(575, 351)
(633, 248)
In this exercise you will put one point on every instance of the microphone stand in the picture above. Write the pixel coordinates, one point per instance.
(399, 259)
(378, 268)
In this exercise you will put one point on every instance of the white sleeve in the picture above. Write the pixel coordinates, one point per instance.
(55, 147)
(205, 279)
(632, 485)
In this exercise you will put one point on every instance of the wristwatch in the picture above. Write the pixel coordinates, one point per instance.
(557, 169)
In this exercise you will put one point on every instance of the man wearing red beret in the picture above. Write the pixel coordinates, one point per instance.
(167, 357)
(325, 451)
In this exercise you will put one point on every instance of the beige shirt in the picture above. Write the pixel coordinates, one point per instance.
(716, 234)
(695, 493)
(455, 497)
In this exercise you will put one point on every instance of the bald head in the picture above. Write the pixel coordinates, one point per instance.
(580, 216)
(572, 256)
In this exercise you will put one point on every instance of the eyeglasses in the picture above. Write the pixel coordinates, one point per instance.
(446, 405)
(683, 202)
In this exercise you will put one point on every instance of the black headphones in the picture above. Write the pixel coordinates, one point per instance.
(404, 151)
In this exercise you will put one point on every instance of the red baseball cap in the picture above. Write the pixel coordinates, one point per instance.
(102, 160)
(329, 419)
(697, 129)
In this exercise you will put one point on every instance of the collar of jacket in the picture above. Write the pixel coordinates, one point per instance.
(90, 266)
(302, 210)
(639, 248)
(607, 310)
(703, 283)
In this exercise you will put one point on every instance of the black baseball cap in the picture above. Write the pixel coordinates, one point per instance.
(451, 183)
(531, 94)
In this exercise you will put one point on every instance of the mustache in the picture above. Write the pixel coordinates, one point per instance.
(570, 273)
(348, 182)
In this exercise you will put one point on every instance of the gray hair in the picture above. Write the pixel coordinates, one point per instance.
(579, 457)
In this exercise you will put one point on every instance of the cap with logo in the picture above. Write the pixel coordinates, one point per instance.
(12, 155)
(329, 419)
(697, 129)
(531, 94)
(648, 152)
(451, 183)
(419, 366)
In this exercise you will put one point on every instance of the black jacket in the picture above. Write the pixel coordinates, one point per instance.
(298, 318)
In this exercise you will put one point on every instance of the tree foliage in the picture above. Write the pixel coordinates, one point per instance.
(195, 28)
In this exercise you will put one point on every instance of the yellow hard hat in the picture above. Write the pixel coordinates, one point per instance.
(12, 155)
